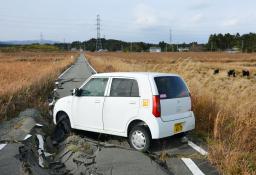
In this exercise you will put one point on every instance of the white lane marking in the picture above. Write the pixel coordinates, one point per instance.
(198, 148)
(46, 154)
(192, 166)
(90, 65)
(2, 146)
(41, 141)
(40, 150)
(27, 136)
(64, 72)
(39, 125)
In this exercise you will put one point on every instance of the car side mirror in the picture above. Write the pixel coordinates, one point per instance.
(76, 92)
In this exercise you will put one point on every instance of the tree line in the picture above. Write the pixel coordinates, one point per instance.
(216, 42)
(220, 42)
(118, 45)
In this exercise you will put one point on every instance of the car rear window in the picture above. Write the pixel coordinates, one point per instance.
(171, 87)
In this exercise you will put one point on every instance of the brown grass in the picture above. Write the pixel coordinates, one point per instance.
(27, 77)
(225, 107)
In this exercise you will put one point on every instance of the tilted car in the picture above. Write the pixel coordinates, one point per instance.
(140, 106)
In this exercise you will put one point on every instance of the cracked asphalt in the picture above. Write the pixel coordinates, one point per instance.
(171, 149)
(91, 153)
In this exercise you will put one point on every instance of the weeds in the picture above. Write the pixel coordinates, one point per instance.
(28, 83)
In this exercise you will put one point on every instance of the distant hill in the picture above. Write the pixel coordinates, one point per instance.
(27, 42)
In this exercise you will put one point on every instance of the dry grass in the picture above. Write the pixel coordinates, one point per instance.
(225, 107)
(26, 78)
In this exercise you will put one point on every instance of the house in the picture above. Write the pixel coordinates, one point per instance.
(183, 49)
(233, 50)
(154, 49)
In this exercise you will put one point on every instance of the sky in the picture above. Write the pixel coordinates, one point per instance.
(130, 20)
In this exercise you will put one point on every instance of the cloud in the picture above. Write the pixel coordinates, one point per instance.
(145, 16)
(230, 22)
(199, 4)
(196, 18)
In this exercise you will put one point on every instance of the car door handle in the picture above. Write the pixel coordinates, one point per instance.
(132, 102)
(97, 101)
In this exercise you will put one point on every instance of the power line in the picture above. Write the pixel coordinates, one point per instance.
(98, 40)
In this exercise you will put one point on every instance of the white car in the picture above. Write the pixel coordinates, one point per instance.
(141, 106)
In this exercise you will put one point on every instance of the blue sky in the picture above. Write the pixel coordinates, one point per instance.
(133, 20)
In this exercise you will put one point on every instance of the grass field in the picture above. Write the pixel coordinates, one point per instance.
(27, 77)
(225, 107)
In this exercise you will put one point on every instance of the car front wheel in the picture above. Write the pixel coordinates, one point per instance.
(139, 138)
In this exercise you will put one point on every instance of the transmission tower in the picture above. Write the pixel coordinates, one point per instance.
(98, 40)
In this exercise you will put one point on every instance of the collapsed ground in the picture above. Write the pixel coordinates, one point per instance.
(86, 153)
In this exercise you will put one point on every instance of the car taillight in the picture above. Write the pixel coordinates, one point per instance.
(156, 106)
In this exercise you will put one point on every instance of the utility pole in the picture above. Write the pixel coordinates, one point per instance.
(98, 40)
(171, 39)
(131, 47)
(242, 45)
(64, 44)
(41, 38)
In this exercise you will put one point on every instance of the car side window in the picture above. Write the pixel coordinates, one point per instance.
(95, 87)
(121, 87)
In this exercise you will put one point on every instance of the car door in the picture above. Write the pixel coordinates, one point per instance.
(87, 107)
(121, 104)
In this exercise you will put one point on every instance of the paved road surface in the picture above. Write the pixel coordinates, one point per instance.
(74, 76)
(180, 158)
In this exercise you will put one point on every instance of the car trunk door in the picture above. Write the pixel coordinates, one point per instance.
(173, 109)
(174, 97)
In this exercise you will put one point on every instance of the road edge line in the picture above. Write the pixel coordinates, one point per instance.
(2, 146)
(198, 148)
(64, 72)
(192, 166)
(90, 65)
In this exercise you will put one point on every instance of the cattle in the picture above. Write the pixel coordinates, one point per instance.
(246, 73)
(232, 72)
(216, 71)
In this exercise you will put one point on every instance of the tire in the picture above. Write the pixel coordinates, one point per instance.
(139, 138)
(62, 129)
(65, 123)
(182, 134)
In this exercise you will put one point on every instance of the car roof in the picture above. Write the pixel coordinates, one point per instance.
(133, 74)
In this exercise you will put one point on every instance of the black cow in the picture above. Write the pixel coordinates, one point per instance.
(246, 73)
(216, 71)
(232, 72)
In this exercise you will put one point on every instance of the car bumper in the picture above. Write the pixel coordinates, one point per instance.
(166, 129)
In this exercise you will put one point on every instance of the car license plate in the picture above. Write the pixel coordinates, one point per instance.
(178, 127)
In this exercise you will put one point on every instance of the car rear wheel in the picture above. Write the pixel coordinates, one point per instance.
(139, 138)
